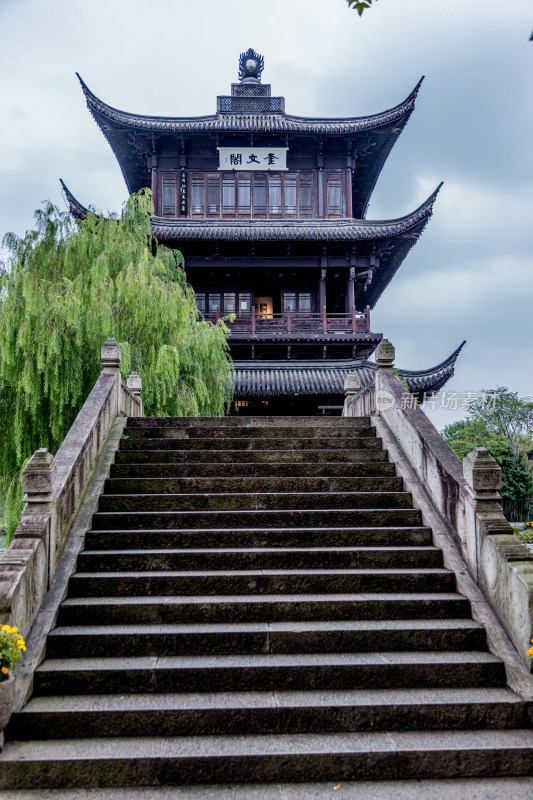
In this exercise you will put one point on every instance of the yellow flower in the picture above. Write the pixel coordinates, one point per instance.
(530, 652)
(14, 630)
(4, 670)
(6, 628)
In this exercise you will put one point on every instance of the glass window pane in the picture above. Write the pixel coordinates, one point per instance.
(229, 302)
(213, 195)
(228, 195)
(289, 301)
(304, 304)
(274, 194)
(306, 197)
(244, 195)
(200, 302)
(214, 303)
(334, 195)
(245, 303)
(169, 195)
(260, 194)
(290, 195)
(197, 198)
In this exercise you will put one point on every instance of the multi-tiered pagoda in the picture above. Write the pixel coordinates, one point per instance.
(269, 212)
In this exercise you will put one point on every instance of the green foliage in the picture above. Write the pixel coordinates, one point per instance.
(67, 288)
(360, 5)
(505, 414)
(464, 435)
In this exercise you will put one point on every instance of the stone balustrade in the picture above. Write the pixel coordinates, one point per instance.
(465, 496)
(55, 488)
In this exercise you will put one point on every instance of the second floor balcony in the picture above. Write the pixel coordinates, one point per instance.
(289, 322)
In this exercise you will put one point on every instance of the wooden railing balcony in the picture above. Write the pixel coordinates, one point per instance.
(292, 322)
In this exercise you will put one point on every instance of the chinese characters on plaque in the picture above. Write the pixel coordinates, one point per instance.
(183, 192)
(252, 158)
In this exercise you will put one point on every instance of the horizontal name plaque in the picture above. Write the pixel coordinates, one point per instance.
(259, 159)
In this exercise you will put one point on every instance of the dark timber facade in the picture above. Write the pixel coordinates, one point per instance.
(269, 212)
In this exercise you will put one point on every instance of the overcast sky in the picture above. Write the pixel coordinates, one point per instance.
(469, 277)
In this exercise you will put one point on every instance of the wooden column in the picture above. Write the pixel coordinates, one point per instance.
(322, 286)
(348, 182)
(350, 291)
(153, 183)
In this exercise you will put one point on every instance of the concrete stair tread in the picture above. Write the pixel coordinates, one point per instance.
(263, 599)
(135, 748)
(269, 699)
(445, 789)
(254, 573)
(201, 532)
(433, 658)
(275, 627)
(263, 550)
(185, 495)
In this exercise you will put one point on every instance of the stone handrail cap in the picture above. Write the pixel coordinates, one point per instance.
(134, 382)
(385, 354)
(481, 471)
(352, 383)
(110, 354)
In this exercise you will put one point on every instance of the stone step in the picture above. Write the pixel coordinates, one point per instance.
(262, 672)
(260, 558)
(349, 423)
(274, 712)
(335, 757)
(443, 789)
(248, 485)
(265, 637)
(323, 456)
(318, 518)
(259, 582)
(252, 470)
(258, 537)
(254, 501)
(271, 432)
(267, 608)
(253, 443)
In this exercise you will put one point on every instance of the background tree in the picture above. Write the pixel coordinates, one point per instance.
(66, 288)
(503, 423)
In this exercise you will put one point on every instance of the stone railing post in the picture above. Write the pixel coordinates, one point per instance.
(352, 384)
(483, 478)
(500, 563)
(385, 355)
(110, 358)
(38, 484)
(135, 385)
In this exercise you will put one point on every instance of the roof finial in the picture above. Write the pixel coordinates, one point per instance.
(251, 65)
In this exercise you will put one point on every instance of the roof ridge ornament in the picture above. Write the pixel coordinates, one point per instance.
(251, 65)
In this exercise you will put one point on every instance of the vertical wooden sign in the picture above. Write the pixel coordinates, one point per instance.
(183, 192)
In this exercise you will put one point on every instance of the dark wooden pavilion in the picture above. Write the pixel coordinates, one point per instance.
(269, 212)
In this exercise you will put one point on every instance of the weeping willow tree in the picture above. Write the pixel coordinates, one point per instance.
(69, 285)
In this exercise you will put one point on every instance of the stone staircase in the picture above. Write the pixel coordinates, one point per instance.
(258, 601)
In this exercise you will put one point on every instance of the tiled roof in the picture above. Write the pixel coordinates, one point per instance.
(290, 229)
(130, 136)
(249, 122)
(399, 235)
(282, 378)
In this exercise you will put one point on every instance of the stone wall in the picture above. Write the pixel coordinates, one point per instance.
(463, 494)
(54, 491)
